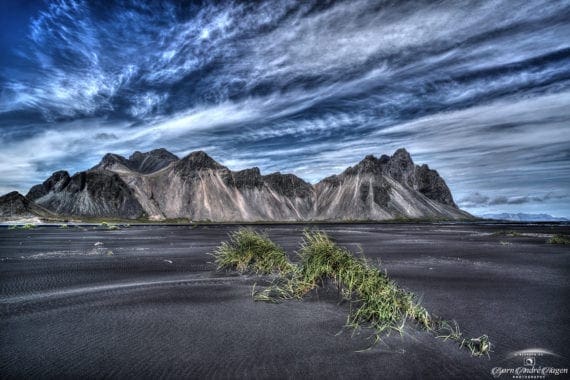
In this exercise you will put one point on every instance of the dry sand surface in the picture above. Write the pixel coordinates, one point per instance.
(145, 302)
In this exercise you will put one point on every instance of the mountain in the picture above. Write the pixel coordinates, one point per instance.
(15, 206)
(386, 188)
(93, 193)
(521, 217)
(158, 185)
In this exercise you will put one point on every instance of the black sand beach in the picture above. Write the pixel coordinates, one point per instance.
(145, 302)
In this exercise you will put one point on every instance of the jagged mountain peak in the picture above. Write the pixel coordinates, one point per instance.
(111, 158)
(158, 153)
(402, 154)
(199, 160)
(371, 164)
(145, 163)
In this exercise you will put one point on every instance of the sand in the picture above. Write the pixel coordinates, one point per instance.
(145, 302)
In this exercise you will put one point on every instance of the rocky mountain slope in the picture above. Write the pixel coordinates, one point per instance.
(386, 188)
(158, 185)
(93, 193)
(14, 206)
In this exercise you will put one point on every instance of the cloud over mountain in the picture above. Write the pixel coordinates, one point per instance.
(480, 89)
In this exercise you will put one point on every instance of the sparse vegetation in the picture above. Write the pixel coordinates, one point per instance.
(558, 239)
(27, 226)
(109, 226)
(251, 251)
(375, 300)
(63, 226)
(508, 233)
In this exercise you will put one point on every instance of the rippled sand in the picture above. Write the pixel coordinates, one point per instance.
(145, 302)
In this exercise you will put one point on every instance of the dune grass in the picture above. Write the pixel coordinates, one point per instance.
(559, 239)
(380, 304)
(376, 302)
(110, 226)
(27, 226)
(251, 251)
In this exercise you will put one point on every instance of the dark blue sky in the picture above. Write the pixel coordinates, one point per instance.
(479, 90)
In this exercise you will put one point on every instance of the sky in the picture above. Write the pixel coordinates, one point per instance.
(478, 90)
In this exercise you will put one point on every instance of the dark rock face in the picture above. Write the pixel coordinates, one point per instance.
(288, 185)
(429, 183)
(55, 182)
(143, 163)
(400, 167)
(15, 205)
(152, 161)
(245, 179)
(195, 162)
(93, 193)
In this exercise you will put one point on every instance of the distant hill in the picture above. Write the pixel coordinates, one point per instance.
(521, 217)
(158, 185)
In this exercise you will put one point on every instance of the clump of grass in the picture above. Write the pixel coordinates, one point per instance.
(251, 251)
(380, 303)
(63, 226)
(110, 226)
(376, 301)
(27, 226)
(558, 239)
(449, 330)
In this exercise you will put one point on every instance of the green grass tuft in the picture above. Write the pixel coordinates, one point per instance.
(376, 301)
(109, 226)
(27, 226)
(251, 251)
(558, 239)
(380, 304)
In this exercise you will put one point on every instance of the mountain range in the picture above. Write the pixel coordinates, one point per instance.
(523, 217)
(157, 185)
